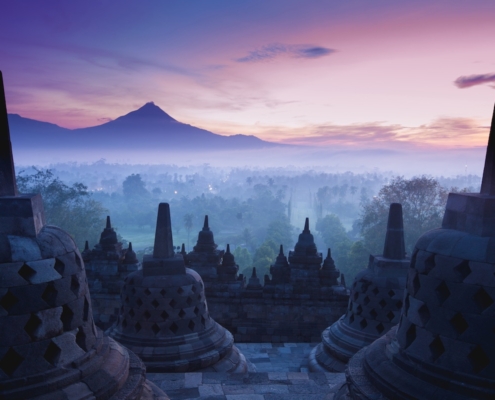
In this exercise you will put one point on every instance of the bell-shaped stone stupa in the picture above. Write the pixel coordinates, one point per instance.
(49, 345)
(374, 305)
(165, 318)
(443, 347)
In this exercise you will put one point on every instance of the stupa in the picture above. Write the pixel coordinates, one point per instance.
(443, 347)
(374, 305)
(280, 270)
(107, 265)
(49, 345)
(165, 318)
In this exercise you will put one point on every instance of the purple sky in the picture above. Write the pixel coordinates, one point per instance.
(356, 73)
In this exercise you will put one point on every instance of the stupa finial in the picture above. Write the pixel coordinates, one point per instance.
(8, 185)
(488, 182)
(164, 247)
(281, 253)
(205, 225)
(109, 224)
(306, 226)
(394, 247)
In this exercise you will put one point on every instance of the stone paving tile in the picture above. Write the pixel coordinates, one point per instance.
(281, 375)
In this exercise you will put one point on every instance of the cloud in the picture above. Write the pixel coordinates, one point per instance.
(472, 80)
(271, 51)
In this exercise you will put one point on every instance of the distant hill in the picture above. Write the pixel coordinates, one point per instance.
(149, 127)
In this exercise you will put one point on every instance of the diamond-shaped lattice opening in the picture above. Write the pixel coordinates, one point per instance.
(155, 303)
(26, 272)
(463, 269)
(365, 286)
(133, 290)
(10, 361)
(132, 313)
(390, 316)
(351, 318)
(359, 309)
(355, 296)
(196, 310)
(78, 261)
(180, 290)
(375, 291)
(436, 348)
(8, 301)
(478, 358)
(191, 325)
(415, 283)
(194, 289)
(146, 315)
(199, 297)
(50, 294)
(391, 293)
(86, 309)
(59, 266)
(81, 339)
(442, 292)
(137, 327)
(74, 284)
(459, 323)
(126, 300)
(156, 329)
(32, 325)
(124, 323)
(67, 317)
(52, 353)
(398, 304)
(131, 282)
(429, 264)
(173, 303)
(363, 324)
(380, 328)
(382, 303)
(174, 328)
(189, 301)
(366, 300)
(164, 315)
(424, 314)
(482, 299)
(139, 302)
(373, 313)
(203, 321)
(147, 292)
(182, 313)
(410, 335)
(163, 292)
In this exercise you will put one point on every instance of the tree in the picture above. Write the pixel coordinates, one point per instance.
(188, 223)
(243, 258)
(133, 186)
(264, 256)
(335, 237)
(281, 232)
(423, 201)
(71, 208)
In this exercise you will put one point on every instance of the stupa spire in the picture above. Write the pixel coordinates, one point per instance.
(8, 185)
(109, 224)
(164, 247)
(394, 247)
(306, 226)
(488, 182)
(205, 225)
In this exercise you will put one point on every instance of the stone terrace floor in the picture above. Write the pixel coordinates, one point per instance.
(281, 374)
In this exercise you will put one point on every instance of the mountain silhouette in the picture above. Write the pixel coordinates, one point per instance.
(148, 127)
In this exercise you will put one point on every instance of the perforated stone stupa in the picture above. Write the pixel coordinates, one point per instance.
(49, 345)
(165, 318)
(107, 265)
(374, 305)
(443, 347)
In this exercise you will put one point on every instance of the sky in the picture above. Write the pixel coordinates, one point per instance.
(388, 74)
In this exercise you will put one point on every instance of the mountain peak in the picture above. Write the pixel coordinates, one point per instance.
(149, 111)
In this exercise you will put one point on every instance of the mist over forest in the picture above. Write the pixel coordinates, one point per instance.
(253, 209)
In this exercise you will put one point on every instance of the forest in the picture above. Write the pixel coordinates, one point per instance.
(252, 209)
